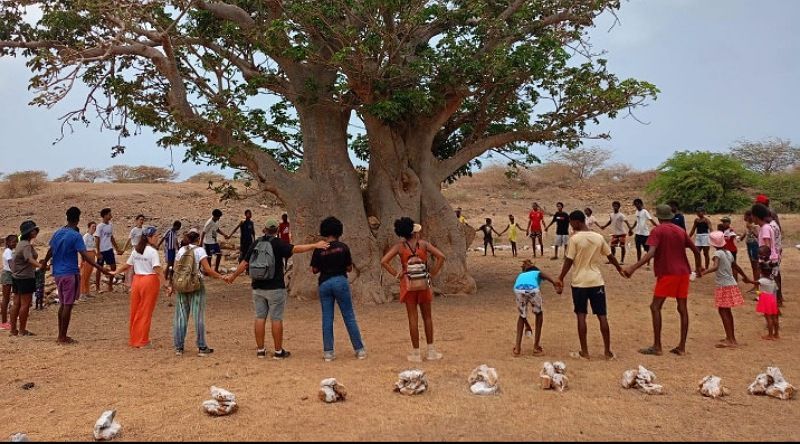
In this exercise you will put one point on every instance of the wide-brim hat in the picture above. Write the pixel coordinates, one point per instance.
(664, 212)
(28, 227)
(717, 239)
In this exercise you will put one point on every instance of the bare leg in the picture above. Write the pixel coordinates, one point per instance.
(705, 255)
(727, 323)
(537, 347)
(518, 341)
(622, 258)
(219, 259)
(427, 318)
(277, 334)
(64, 316)
(15, 315)
(556, 255)
(5, 302)
(582, 334)
(514, 249)
(683, 310)
(413, 323)
(778, 282)
(24, 310)
(776, 322)
(655, 311)
(605, 330)
(260, 330)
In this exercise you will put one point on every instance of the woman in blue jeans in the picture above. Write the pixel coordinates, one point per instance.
(332, 265)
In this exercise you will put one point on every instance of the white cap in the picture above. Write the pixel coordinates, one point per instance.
(417, 228)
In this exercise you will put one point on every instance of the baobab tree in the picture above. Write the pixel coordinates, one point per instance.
(271, 87)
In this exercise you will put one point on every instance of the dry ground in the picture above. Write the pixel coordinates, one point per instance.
(158, 395)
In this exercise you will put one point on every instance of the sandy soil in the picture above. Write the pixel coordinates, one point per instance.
(158, 395)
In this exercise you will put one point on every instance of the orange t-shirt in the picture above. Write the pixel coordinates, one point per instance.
(405, 255)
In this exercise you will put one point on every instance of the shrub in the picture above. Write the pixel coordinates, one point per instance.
(24, 183)
(139, 174)
(783, 190)
(207, 177)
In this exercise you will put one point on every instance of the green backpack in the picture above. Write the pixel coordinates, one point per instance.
(186, 277)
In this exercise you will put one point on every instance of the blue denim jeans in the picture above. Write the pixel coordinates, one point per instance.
(337, 290)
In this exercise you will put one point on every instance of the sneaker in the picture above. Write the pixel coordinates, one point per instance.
(261, 354)
(178, 352)
(361, 354)
(281, 355)
(203, 352)
(433, 355)
(5, 327)
(414, 356)
(328, 356)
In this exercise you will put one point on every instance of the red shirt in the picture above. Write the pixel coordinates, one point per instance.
(671, 242)
(536, 218)
(730, 241)
(283, 231)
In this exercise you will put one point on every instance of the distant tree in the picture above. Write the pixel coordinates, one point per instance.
(63, 178)
(91, 175)
(583, 162)
(148, 174)
(716, 181)
(119, 173)
(768, 156)
(25, 183)
(783, 190)
(207, 177)
(75, 175)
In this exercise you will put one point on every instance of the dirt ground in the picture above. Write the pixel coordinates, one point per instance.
(158, 395)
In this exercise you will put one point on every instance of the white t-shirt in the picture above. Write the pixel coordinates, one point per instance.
(144, 263)
(104, 232)
(136, 236)
(210, 230)
(8, 255)
(618, 224)
(199, 255)
(643, 217)
(591, 222)
(88, 240)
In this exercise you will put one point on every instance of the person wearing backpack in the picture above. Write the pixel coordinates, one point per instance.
(191, 263)
(415, 288)
(265, 262)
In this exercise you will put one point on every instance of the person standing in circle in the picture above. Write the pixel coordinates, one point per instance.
(86, 268)
(248, 234)
(24, 265)
(513, 229)
(415, 293)
(534, 229)
(285, 234)
(702, 226)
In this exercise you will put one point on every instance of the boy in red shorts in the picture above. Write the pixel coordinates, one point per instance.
(668, 244)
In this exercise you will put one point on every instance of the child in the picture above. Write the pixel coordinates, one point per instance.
(730, 236)
(513, 231)
(591, 221)
(7, 280)
(487, 230)
(768, 302)
(751, 240)
(618, 231)
(702, 226)
(170, 241)
(209, 238)
(727, 294)
(769, 235)
(527, 290)
(561, 219)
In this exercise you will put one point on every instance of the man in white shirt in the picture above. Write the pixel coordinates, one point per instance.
(106, 245)
(641, 229)
(209, 238)
(618, 231)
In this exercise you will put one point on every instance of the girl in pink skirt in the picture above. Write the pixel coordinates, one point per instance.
(727, 294)
(768, 302)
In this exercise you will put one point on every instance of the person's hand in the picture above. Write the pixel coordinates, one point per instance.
(399, 275)
(623, 273)
(628, 272)
(170, 291)
(559, 286)
(108, 273)
(323, 245)
(229, 278)
(630, 232)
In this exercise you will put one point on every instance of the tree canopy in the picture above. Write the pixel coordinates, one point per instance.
(767, 156)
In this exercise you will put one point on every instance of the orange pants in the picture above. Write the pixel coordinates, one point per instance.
(86, 273)
(144, 295)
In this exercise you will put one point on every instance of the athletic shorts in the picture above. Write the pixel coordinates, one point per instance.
(641, 242)
(212, 249)
(6, 278)
(672, 286)
(562, 240)
(107, 258)
(702, 240)
(618, 240)
(752, 251)
(171, 256)
(68, 288)
(270, 303)
(24, 286)
(525, 298)
(594, 296)
(535, 235)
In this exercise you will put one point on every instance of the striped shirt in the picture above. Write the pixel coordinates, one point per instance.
(171, 240)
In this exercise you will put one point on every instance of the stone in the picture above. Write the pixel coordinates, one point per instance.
(331, 391)
(711, 386)
(411, 382)
(553, 376)
(773, 384)
(483, 381)
(643, 380)
(106, 429)
(223, 404)
(18, 437)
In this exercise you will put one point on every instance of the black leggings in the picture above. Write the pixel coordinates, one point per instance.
(488, 242)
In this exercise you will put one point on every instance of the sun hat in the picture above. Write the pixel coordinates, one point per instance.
(194, 230)
(717, 239)
(417, 228)
(272, 223)
(149, 231)
(725, 218)
(27, 227)
(664, 212)
(762, 199)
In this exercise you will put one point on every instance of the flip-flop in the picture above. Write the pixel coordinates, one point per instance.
(613, 357)
(726, 345)
(650, 351)
(677, 352)
(539, 352)
(578, 355)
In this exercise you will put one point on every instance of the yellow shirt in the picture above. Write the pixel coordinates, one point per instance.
(587, 249)
(462, 219)
(512, 233)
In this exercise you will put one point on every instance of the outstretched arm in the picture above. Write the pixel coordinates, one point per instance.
(738, 270)
(645, 259)
(714, 267)
(558, 286)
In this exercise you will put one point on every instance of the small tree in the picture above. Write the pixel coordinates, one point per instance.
(148, 174)
(118, 173)
(75, 174)
(207, 177)
(583, 162)
(91, 175)
(714, 180)
(783, 190)
(25, 183)
(768, 156)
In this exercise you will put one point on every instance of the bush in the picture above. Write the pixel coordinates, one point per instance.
(716, 181)
(207, 177)
(24, 183)
(783, 190)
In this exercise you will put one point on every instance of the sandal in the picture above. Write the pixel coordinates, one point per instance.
(578, 355)
(726, 345)
(650, 351)
(538, 351)
(26, 333)
(677, 352)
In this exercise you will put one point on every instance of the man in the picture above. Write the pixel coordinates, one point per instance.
(171, 245)
(585, 250)
(668, 243)
(534, 229)
(677, 216)
(136, 233)
(640, 228)
(561, 219)
(269, 296)
(65, 246)
(209, 238)
(618, 230)
(248, 234)
(106, 244)
(285, 233)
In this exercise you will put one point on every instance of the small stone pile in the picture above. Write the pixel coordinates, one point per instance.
(223, 404)
(554, 376)
(106, 429)
(18, 437)
(331, 391)
(411, 382)
(642, 379)
(483, 381)
(772, 383)
(711, 386)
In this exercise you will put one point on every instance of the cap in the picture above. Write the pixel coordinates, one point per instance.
(717, 239)
(149, 231)
(725, 218)
(272, 223)
(762, 199)
(417, 228)
(664, 212)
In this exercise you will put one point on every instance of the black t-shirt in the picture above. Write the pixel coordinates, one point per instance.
(282, 250)
(332, 262)
(487, 231)
(562, 223)
(248, 231)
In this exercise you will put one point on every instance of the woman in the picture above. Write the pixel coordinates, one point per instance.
(332, 265)
(411, 246)
(751, 238)
(86, 269)
(147, 282)
(702, 226)
(23, 272)
(192, 302)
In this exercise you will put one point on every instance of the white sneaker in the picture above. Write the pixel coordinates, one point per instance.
(415, 356)
(361, 354)
(433, 355)
(328, 356)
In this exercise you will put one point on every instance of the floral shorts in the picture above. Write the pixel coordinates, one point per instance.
(528, 297)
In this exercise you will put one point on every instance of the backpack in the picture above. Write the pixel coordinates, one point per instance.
(186, 277)
(417, 272)
(262, 260)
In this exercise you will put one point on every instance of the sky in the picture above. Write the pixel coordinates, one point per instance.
(727, 70)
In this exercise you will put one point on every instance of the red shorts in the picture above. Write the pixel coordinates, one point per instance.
(417, 297)
(672, 286)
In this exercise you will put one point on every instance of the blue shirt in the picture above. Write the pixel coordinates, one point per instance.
(529, 280)
(171, 240)
(66, 244)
